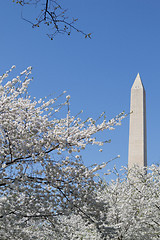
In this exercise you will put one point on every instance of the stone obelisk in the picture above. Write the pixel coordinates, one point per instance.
(137, 132)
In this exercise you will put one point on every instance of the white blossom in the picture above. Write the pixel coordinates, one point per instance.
(68, 97)
(43, 189)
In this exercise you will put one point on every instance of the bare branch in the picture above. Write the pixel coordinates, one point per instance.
(54, 16)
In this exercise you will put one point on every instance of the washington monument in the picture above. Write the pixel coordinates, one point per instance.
(137, 133)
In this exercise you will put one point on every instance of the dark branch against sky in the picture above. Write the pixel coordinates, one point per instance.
(54, 16)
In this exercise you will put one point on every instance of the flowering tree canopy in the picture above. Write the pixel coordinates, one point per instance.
(131, 209)
(42, 177)
(48, 193)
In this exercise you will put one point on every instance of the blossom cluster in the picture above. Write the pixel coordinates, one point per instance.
(42, 175)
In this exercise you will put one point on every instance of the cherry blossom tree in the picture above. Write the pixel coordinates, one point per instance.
(42, 177)
(132, 208)
(135, 204)
(46, 190)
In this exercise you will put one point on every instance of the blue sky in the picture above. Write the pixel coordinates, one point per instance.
(97, 73)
